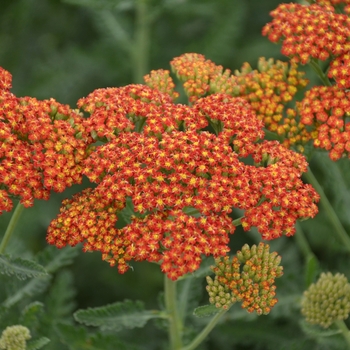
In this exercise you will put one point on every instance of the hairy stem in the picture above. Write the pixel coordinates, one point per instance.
(175, 324)
(345, 331)
(333, 217)
(11, 226)
(204, 333)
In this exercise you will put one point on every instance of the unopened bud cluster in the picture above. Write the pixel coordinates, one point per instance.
(248, 278)
(327, 300)
(14, 338)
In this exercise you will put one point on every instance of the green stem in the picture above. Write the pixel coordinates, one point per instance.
(238, 221)
(318, 70)
(311, 262)
(175, 324)
(302, 242)
(11, 226)
(338, 227)
(140, 53)
(204, 333)
(345, 331)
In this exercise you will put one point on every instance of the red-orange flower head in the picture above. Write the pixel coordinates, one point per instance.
(338, 4)
(268, 90)
(5, 79)
(196, 72)
(42, 146)
(309, 31)
(160, 80)
(252, 284)
(325, 110)
(178, 182)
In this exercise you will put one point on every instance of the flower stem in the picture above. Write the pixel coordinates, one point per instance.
(338, 227)
(203, 334)
(175, 324)
(140, 52)
(302, 242)
(238, 221)
(317, 69)
(345, 331)
(11, 226)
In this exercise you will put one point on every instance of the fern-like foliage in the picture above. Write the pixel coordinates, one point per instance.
(37, 343)
(127, 314)
(32, 288)
(21, 268)
(205, 310)
(60, 299)
(79, 338)
(53, 259)
(31, 315)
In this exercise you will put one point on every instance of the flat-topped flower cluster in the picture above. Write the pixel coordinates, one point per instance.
(184, 168)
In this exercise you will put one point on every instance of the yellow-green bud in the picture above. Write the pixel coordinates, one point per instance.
(327, 300)
(14, 338)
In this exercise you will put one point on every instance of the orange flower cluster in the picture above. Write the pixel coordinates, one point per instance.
(309, 31)
(268, 90)
(182, 181)
(335, 3)
(282, 195)
(325, 109)
(196, 72)
(253, 284)
(42, 146)
(160, 79)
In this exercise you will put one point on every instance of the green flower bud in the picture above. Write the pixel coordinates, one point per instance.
(251, 283)
(14, 338)
(327, 300)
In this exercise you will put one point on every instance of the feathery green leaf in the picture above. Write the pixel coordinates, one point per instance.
(37, 343)
(78, 338)
(33, 287)
(205, 311)
(127, 314)
(53, 258)
(21, 268)
(31, 314)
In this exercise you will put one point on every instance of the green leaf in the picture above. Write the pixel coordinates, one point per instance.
(21, 268)
(37, 343)
(190, 211)
(31, 314)
(127, 314)
(206, 310)
(78, 338)
(33, 287)
(53, 259)
(124, 216)
(60, 299)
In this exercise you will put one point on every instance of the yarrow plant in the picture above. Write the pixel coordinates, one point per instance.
(171, 182)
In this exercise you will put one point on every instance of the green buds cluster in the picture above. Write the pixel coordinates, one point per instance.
(327, 300)
(14, 338)
(248, 278)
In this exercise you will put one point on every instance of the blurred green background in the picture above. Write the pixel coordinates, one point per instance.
(66, 49)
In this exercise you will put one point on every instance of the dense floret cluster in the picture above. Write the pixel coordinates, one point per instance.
(327, 300)
(248, 278)
(42, 146)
